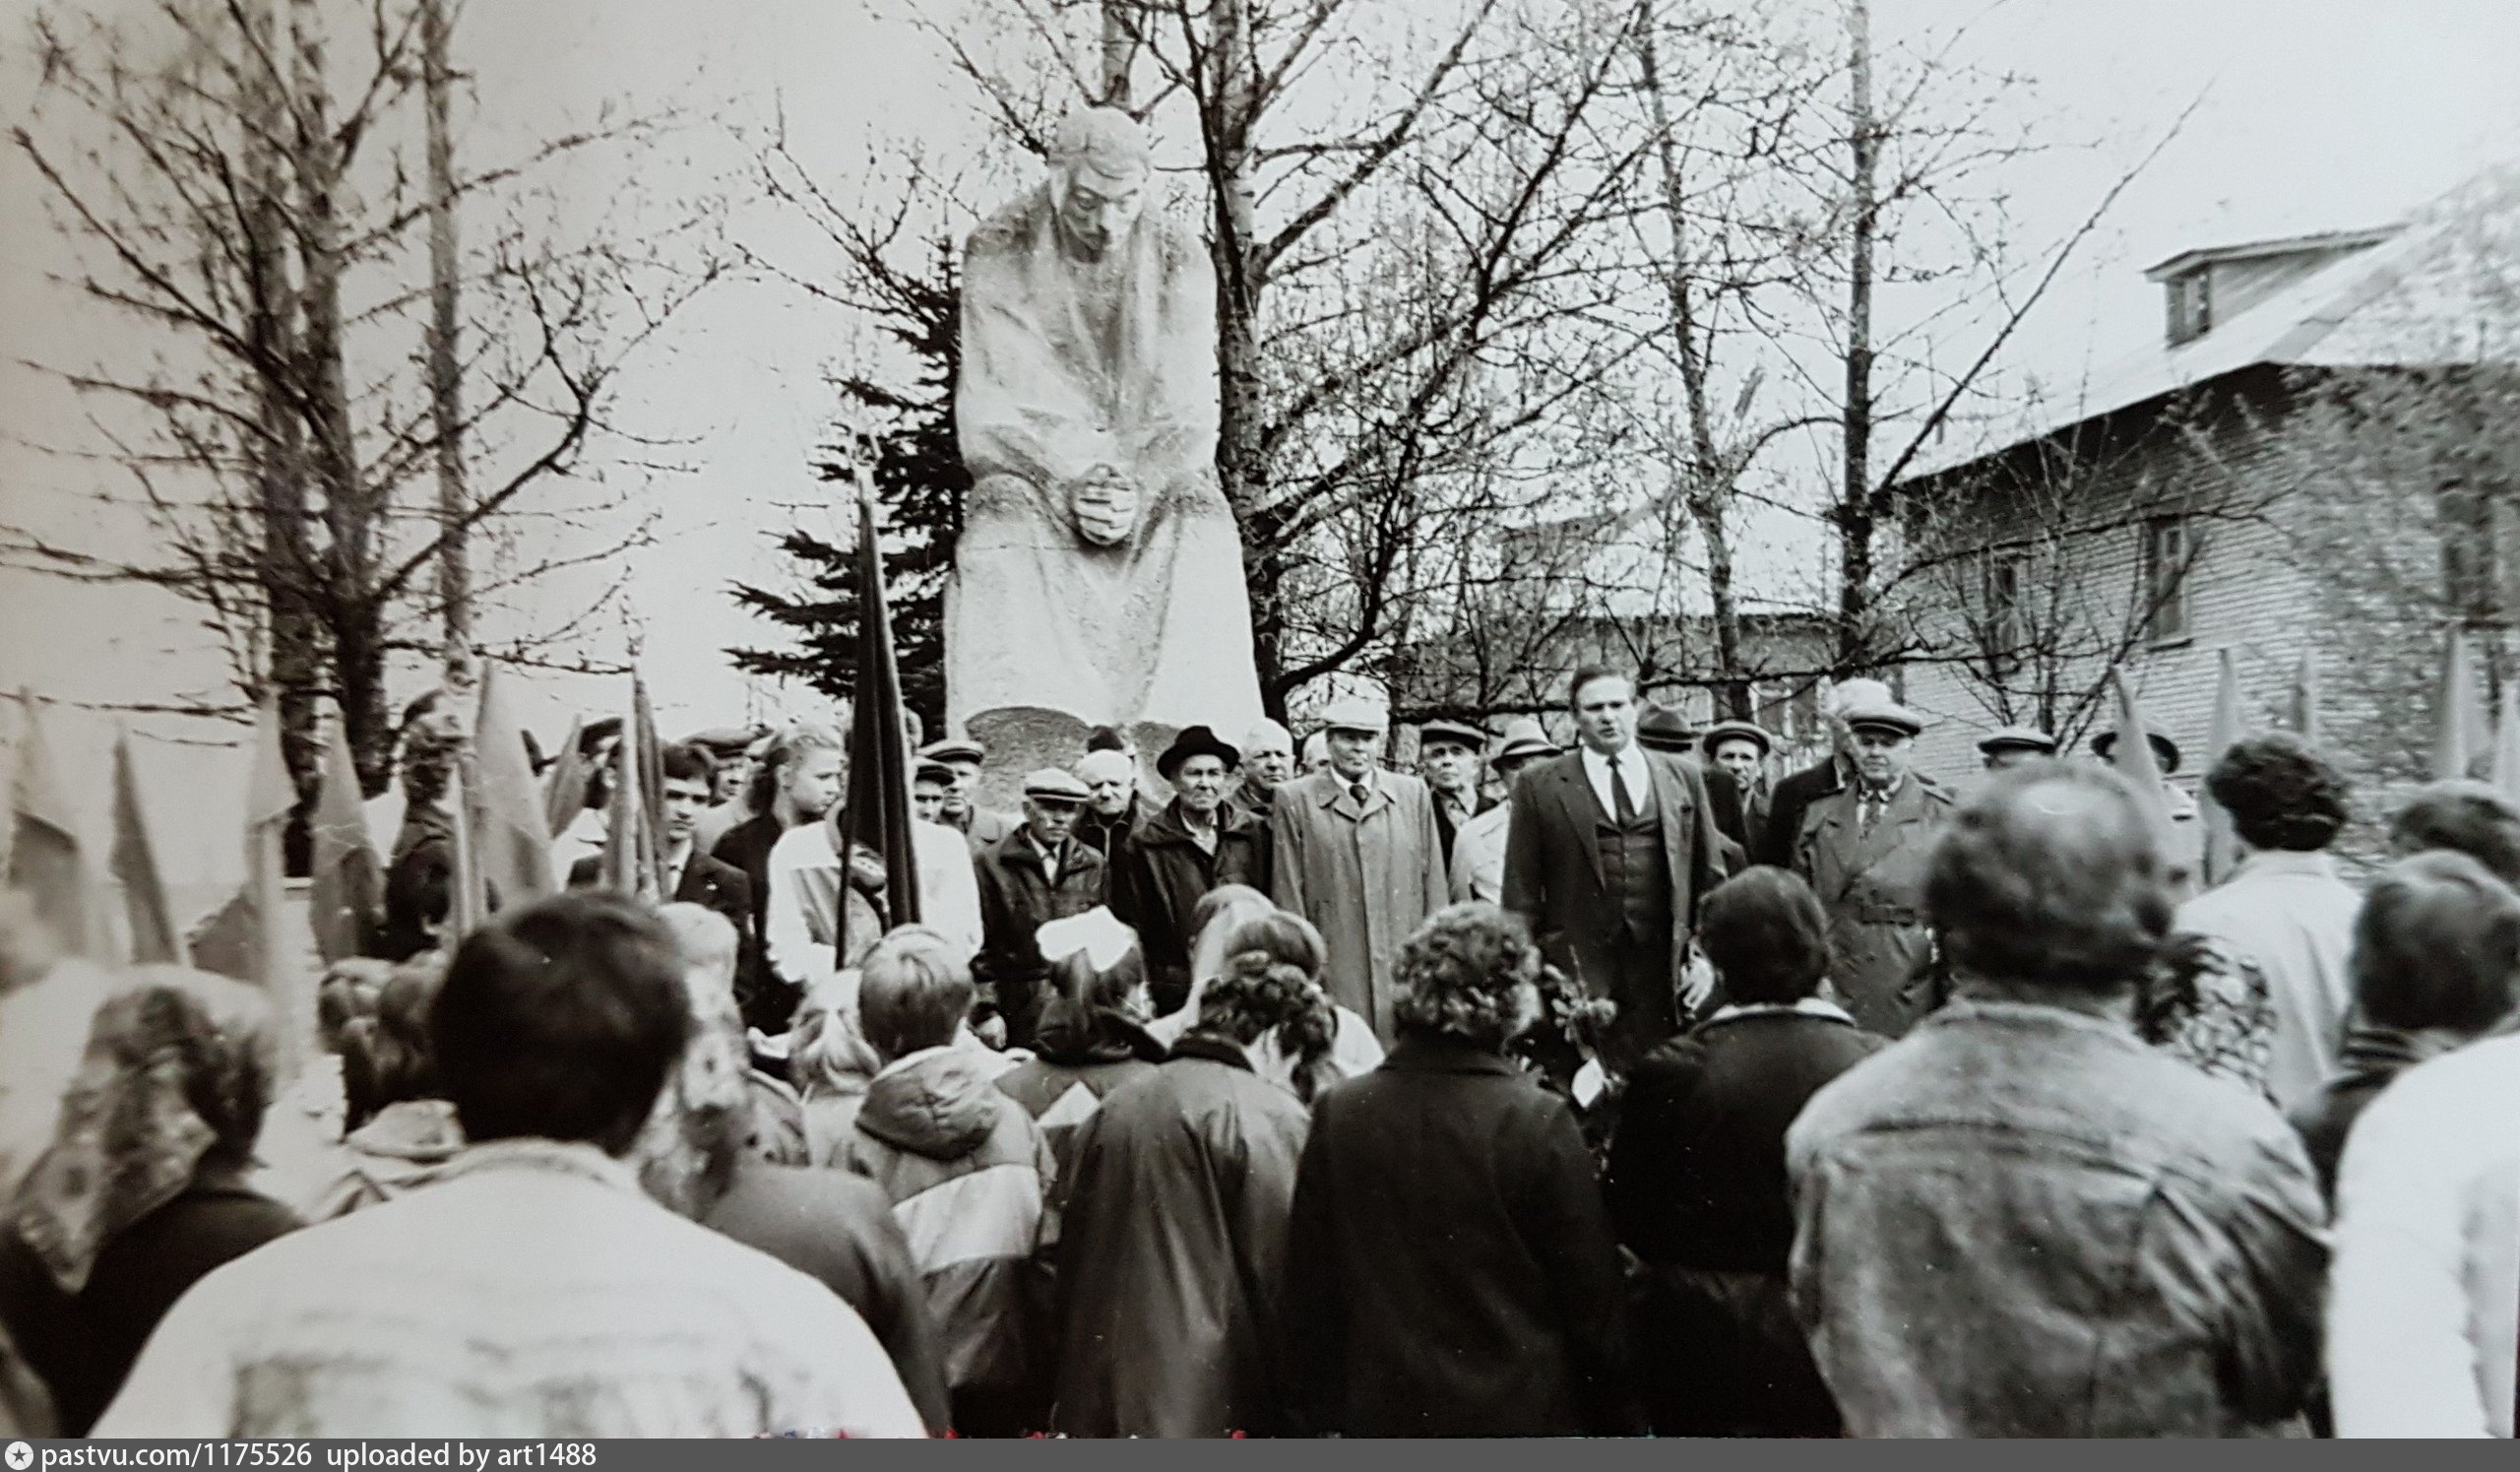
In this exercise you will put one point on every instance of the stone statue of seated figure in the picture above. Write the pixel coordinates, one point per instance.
(1099, 574)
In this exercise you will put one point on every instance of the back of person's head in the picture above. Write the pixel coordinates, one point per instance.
(689, 762)
(2050, 875)
(1765, 933)
(2280, 794)
(1284, 937)
(2466, 816)
(828, 1053)
(1256, 992)
(559, 1021)
(706, 939)
(388, 1058)
(913, 991)
(209, 1036)
(29, 949)
(349, 991)
(1469, 975)
(1213, 920)
(2436, 945)
(687, 1152)
(1079, 985)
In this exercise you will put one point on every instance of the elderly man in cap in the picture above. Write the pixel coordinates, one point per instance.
(1448, 759)
(1607, 855)
(1479, 849)
(1356, 850)
(1739, 751)
(1181, 850)
(2015, 745)
(930, 783)
(1099, 570)
(1036, 874)
(965, 758)
(1775, 844)
(1866, 849)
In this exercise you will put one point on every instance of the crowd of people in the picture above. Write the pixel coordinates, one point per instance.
(1612, 1090)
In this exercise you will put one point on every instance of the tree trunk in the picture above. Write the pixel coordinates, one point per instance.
(1855, 513)
(357, 621)
(1708, 490)
(446, 384)
(1235, 248)
(1119, 48)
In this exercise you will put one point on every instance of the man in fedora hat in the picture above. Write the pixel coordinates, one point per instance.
(1036, 874)
(1178, 853)
(1448, 759)
(1356, 850)
(978, 826)
(1864, 850)
(1607, 855)
(1665, 730)
(1479, 849)
(2013, 746)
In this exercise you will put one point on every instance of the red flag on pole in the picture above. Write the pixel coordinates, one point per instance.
(244, 938)
(2456, 707)
(511, 836)
(564, 787)
(43, 854)
(347, 889)
(134, 862)
(632, 861)
(2133, 758)
(877, 812)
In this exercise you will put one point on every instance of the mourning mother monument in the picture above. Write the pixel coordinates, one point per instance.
(1098, 576)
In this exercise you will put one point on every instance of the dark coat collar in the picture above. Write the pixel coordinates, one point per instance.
(1213, 1048)
(1422, 1054)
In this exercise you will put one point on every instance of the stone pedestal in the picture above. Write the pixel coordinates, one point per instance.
(1026, 738)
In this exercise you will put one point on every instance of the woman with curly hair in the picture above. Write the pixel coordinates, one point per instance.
(1174, 1223)
(401, 1131)
(1450, 1268)
(2285, 910)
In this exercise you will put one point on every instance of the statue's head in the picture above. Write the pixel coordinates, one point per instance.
(1101, 165)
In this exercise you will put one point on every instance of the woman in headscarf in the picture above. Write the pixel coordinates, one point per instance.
(401, 1131)
(141, 1192)
(694, 1156)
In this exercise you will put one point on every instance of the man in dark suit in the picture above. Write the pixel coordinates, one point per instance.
(694, 877)
(1774, 843)
(1607, 850)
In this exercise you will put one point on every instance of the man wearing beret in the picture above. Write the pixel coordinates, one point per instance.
(1355, 850)
(1037, 874)
(1181, 850)
(1864, 850)
(961, 814)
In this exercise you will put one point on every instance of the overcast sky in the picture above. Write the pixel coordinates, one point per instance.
(2316, 116)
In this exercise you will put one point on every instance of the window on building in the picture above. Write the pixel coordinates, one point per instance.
(2006, 633)
(2168, 551)
(2191, 305)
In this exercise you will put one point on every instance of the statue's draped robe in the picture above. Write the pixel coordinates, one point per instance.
(1068, 364)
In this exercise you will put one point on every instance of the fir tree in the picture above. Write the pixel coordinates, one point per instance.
(919, 481)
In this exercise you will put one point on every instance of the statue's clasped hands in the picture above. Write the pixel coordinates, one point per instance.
(1105, 505)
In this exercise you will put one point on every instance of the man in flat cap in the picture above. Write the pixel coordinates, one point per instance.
(1864, 850)
(930, 783)
(1099, 571)
(1793, 794)
(959, 811)
(1356, 850)
(1479, 849)
(2185, 849)
(1739, 751)
(1178, 853)
(1033, 876)
(1448, 758)
(1607, 853)
(2014, 745)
